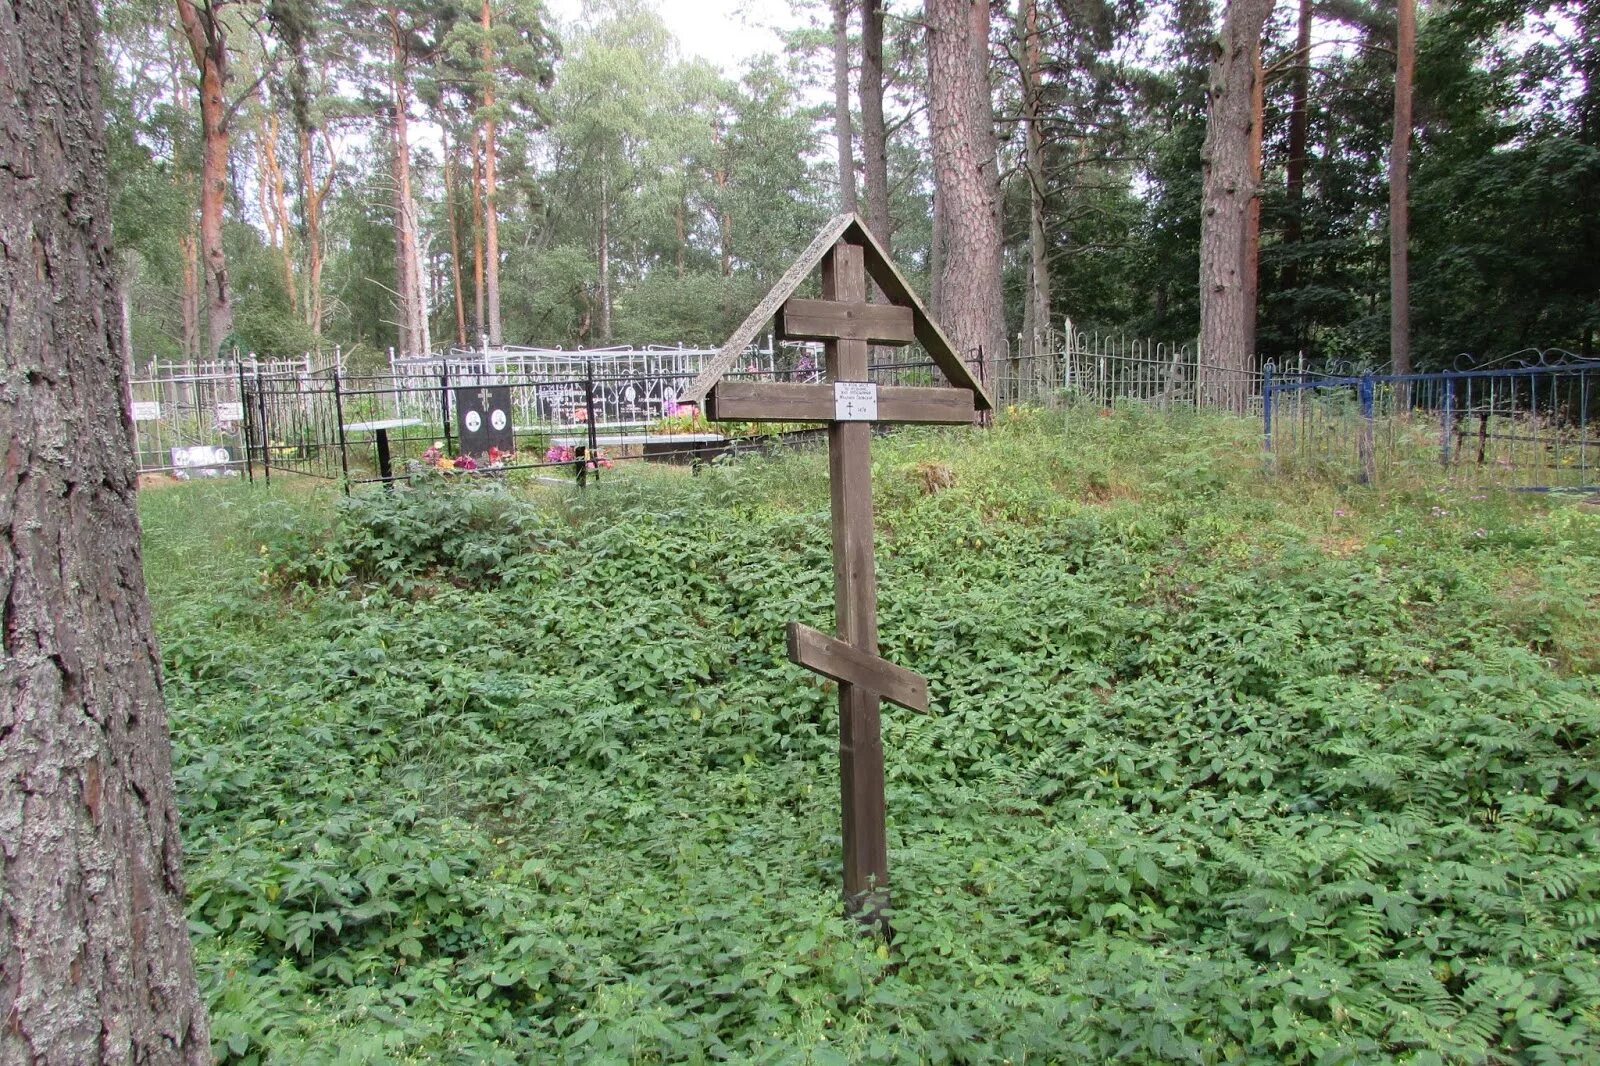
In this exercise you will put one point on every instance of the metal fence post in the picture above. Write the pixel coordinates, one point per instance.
(1446, 415)
(1368, 460)
(266, 430)
(244, 424)
(444, 404)
(344, 451)
(588, 405)
(1266, 404)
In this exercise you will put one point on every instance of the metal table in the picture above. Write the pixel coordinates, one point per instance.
(380, 430)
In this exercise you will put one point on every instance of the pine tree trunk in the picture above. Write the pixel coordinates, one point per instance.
(874, 131)
(208, 44)
(605, 256)
(95, 960)
(491, 214)
(719, 180)
(315, 194)
(965, 179)
(1252, 229)
(842, 130)
(279, 205)
(477, 237)
(1038, 302)
(1400, 192)
(408, 282)
(1228, 188)
(189, 249)
(455, 241)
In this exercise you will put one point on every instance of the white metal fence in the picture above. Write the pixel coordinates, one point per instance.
(189, 418)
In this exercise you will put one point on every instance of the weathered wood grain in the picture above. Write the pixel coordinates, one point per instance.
(785, 288)
(767, 401)
(817, 651)
(822, 320)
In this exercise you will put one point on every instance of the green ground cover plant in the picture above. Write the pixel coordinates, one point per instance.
(1220, 767)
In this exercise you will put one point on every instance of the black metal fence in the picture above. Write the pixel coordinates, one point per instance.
(367, 429)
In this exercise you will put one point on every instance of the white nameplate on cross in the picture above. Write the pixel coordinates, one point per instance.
(855, 401)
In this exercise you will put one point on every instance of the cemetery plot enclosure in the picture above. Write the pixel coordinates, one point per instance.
(1528, 426)
(560, 413)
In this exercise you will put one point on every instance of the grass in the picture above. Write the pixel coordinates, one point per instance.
(1219, 767)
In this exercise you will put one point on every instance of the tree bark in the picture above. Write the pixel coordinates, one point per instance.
(477, 236)
(1400, 192)
(316, 194)
(95, 961)
(1252, 229)
(491, 214)
(719, 180)
(203, 29)
(874, 131)
(965, 179)
(189, 249)
(842, 128)
(455, 241)
(279, 204)
(605, 256)
(408, 279)
(1228, 189)
(1038, 301)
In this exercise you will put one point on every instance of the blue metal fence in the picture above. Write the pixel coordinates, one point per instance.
(1526, 425)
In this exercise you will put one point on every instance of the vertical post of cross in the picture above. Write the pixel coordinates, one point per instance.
(866, 861)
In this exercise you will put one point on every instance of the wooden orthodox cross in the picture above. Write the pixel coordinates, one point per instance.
(850, 404)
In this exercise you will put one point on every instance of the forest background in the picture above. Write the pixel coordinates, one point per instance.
(290, 175)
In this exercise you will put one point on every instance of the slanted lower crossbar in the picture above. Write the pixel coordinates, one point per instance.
(830, 657)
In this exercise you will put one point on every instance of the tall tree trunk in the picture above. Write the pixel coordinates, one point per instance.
(1400, 192)
(1038, 301)
(208, 44)
(936, 243)
(95, 960)
(316, 194)
(1299, 139)
(477, 237)
(1252, 229)
(189, 249)
(965, 179)
(719, 180)
(605, 256)
(874, 131)
(455, 241)
(1228, 188)
(491, 214)
(408, 280)
(842, 129)
(279, 206)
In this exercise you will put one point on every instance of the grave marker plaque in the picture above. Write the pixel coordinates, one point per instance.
(850, 404)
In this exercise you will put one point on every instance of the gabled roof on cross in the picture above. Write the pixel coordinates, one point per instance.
(851, 229)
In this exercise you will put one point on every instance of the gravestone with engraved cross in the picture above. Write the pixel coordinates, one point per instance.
(483, 419)
(850, 404)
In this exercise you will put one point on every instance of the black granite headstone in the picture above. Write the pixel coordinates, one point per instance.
(483, 418)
